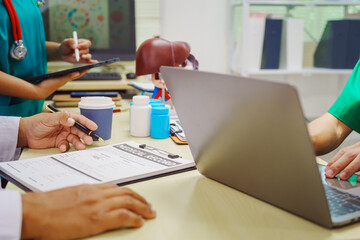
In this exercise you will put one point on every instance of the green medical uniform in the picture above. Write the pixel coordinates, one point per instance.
(32, 28)
(347, 107)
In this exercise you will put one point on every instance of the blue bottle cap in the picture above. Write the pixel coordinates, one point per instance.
(154, 101)
(160, 104)
(160, 110)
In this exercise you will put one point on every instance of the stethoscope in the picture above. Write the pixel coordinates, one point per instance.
(18, 50)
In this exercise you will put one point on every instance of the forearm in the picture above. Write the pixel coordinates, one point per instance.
(53, 53)
(327, 133)
(16, 87)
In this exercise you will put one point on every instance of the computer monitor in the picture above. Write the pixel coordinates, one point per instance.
(109, 24)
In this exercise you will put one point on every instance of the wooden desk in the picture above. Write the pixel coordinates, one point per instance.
(190, 206)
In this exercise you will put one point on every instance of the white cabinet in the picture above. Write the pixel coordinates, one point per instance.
(244, 47)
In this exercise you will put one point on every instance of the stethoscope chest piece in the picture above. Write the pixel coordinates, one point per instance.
(18, 50)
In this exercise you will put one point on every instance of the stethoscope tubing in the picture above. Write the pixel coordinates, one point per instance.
(15, 23)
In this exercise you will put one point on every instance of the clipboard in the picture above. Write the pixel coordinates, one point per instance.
(121, 164)
(177, 133)
(71, 70)
(26, 189)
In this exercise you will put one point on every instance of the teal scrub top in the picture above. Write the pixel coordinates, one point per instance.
(35, 63)
(347, 107)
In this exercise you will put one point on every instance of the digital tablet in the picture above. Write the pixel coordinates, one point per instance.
(71, 70)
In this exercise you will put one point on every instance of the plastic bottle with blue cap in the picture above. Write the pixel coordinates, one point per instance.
(160, 122)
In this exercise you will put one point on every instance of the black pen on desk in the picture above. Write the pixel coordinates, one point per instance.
(79, 126)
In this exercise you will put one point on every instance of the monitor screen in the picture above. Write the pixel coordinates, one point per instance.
(109, 24)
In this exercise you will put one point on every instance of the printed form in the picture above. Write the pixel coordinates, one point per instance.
(115, 163)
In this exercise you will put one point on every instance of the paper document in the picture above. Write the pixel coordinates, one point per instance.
(147, 87)
(116, 163)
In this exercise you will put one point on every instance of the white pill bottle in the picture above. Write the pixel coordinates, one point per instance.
(140, 114)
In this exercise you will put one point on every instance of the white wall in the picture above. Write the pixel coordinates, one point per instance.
(147, 13)
(317, 92)
(204, 25)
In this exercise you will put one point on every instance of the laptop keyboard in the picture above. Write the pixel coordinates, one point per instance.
(341, 203)
(100, 76)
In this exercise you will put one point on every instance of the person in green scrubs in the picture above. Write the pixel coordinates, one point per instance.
(17, 96)
(330, 130)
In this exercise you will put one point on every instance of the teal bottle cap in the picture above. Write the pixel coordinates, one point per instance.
(160, 104)
(154, 101)
(160, 110)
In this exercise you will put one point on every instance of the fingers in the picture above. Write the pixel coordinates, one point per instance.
(84, 51)
(61, 118)
(117, 191)
(342, 152)
(122, 218)
(64, 118)
(82, 73)
(337, 156)
(83, 120)
(131, 204)
(63, 145)
(106, 185)
(87, 58)
(130, 199)
(86, 138)
(346, 161)
(339, 165)
(329, 170)
(350, 169)
(69, 42)
(125, 210)
(83, 44)
(75, 140)
(67, 119)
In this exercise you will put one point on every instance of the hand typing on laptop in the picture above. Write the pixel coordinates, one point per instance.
(327, 133)
(347, 160)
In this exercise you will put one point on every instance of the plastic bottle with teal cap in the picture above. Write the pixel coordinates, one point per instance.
(160, 122)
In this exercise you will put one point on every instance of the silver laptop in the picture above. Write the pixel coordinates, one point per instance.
(251, 135)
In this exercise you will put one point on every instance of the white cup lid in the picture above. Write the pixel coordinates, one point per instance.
(96, 103)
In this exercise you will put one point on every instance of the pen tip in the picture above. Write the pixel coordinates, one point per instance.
(101, 140)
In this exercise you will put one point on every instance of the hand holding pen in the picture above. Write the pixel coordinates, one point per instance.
(48, 130)
(79, 126)
(69, 47)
